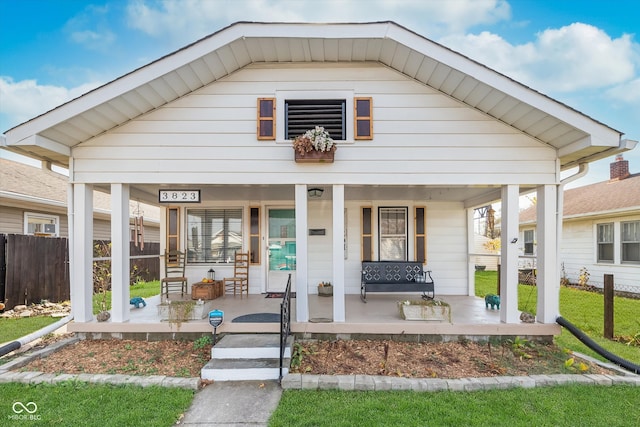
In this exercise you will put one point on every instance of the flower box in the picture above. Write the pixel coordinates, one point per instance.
(325, 290)
(434, 310)
(315, 157)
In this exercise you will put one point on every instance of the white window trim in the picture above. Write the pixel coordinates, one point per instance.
(283, 95)
(28, 215)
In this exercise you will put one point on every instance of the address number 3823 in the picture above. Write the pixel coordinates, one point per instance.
(179, 196)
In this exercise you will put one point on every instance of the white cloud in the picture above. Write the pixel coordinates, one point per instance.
(27, 99)
(91, 29)
(628, 92)
(571, 58)
(188, 20)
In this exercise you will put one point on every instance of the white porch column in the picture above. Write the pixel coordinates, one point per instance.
(301, 288)
(509, 255)
(548, 280)
(339, 313)
(120, 253)
(471, 269)
(82, 267)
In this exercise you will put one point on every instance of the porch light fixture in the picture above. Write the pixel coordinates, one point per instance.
(315, 193)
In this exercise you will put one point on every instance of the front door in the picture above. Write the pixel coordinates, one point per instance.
(281, 248)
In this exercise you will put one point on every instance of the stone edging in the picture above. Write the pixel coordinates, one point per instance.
(377, 383)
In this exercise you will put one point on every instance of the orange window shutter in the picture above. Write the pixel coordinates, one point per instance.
(363, 118)
(266, 119)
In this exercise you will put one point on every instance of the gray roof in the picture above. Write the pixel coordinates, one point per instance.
(603, 198)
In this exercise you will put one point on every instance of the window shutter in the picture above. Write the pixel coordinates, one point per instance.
(254, 234)
(367, 235)
(421, 234)
(266, 118)
(173, 229)
(363, 118)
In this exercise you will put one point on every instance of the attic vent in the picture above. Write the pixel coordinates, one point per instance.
(302, 115)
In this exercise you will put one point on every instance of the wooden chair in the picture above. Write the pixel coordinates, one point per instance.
(240, 279)
(174, 273)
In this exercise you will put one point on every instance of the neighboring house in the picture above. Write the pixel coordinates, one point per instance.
(425, 135)
(600, 231)
(34, 201)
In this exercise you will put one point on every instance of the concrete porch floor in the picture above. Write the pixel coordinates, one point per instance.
(379, 316)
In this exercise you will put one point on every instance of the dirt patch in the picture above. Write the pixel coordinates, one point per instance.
(130, 357)
(338, 357)
(435, 360)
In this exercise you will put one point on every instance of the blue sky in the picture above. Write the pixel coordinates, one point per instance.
(583, 53)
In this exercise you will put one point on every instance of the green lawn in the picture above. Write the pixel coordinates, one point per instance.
(81, 404)
(141, 289)
(583, 309)
(571, 405)
(12, 329)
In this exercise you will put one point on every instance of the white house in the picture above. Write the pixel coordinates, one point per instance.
(424, 134)
(601, 230)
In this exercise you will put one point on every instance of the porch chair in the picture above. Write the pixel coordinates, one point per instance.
(174, 273)
(240, 279)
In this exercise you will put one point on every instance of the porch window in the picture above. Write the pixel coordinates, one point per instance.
(393, 234)
(41, 224)
(304, 114)
(214, 235)
(605, 242)
(529, 237)
(630, 239)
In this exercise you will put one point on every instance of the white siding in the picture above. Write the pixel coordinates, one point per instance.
(579, 251)
(421, 137)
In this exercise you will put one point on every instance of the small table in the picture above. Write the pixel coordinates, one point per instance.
(207, 291)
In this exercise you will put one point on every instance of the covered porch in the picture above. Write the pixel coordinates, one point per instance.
(378, 317)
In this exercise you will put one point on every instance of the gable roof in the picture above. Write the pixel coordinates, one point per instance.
(601, 199)
(576, 137)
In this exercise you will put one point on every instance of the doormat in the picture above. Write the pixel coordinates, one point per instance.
(258, 318)
(279, 295)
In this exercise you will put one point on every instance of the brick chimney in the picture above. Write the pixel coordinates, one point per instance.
(619, 169)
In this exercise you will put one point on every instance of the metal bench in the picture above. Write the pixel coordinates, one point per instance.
(395, 276)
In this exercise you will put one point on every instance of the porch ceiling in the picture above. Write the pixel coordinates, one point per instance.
(470, 196)
(51, 135)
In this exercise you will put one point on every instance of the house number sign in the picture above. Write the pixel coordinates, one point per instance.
(179, 196)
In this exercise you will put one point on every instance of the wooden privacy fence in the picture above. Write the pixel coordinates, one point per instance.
(34, 268)
(37, 268)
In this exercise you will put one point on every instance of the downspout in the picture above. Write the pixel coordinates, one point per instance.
(583, 169)
(14, 345)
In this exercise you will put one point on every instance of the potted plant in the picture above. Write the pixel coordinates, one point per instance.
(325, 289)
(315, 145)
(431, 309)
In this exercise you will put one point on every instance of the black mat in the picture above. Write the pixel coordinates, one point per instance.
(258, 318)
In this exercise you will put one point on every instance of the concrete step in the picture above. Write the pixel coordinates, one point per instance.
(244, 357)
(243, 369)
(250, 346)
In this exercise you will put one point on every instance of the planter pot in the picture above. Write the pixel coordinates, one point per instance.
(315, 157)
(325, 291)
(185, 310)
(425, 311)
(480, 267)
